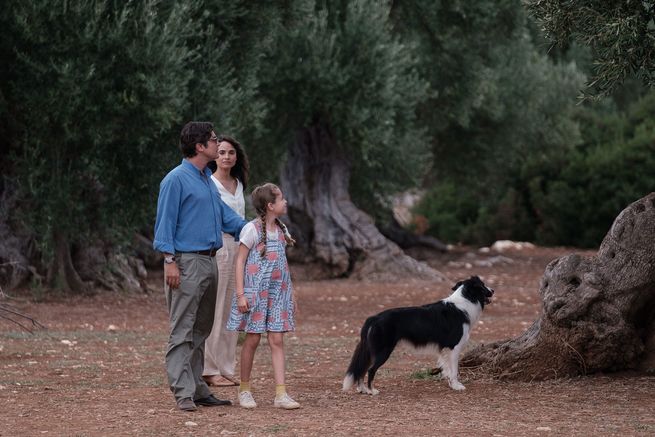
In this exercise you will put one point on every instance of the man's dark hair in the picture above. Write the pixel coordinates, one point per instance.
(192, 133)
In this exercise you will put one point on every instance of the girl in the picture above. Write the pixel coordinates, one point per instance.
(230, 174)
(264, 300)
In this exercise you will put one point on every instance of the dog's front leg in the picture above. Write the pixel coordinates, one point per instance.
(453, 381)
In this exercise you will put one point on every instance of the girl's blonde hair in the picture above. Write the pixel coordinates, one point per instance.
(262, 195)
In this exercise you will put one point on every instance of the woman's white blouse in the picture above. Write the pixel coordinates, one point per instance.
(235, 201)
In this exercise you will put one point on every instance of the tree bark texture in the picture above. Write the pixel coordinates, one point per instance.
(598, 312)
(15, 247)
(100, 264)
(329, 228)
(406, 239)
(62, 274)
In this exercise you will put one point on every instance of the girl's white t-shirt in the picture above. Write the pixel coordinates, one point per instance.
(249, 237)
(234, 201)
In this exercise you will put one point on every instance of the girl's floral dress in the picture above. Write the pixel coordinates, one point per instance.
(267, 287)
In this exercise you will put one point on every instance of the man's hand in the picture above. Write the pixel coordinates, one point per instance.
(172, 275)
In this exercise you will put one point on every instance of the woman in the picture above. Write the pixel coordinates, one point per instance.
(230, 176)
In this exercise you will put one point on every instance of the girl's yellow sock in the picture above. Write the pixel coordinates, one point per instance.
(244, 386)
(280, 390)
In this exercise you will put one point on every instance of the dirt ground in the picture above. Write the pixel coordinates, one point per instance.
(98, 368)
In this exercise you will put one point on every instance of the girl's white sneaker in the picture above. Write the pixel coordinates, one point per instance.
(285, 402)
(246, 400)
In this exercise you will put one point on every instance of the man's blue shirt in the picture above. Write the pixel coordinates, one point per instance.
(190, 213)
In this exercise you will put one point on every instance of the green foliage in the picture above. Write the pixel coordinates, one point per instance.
(93, 84)
(224, 86)
(448, 210)
(454, 41)
(456, 213)
(598, 181)
(425, 374)
(340, 63)
(565, 198)
(621, 34)
(494, 98)
(91, 107)
(499, 105)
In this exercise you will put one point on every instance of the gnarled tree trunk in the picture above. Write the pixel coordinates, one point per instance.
(15, 247)
(72, 269)
(598, 312)
(329, 228)
(406, 239)
(61, 272)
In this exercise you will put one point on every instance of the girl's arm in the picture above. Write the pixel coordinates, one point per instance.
(240, 265)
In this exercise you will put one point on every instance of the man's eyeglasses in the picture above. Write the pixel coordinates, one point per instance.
(213, 138)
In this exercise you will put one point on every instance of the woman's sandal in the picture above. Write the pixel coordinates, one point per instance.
(231, 379)
(219, 381)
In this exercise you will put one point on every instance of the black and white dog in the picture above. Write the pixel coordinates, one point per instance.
(443, 326)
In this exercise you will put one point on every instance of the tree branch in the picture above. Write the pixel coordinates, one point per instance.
(6, 313)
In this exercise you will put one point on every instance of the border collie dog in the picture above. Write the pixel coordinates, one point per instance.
(443, 326)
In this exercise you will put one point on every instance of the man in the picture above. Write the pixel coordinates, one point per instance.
(190, 220)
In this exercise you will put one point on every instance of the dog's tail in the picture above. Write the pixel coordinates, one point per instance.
(361, 360)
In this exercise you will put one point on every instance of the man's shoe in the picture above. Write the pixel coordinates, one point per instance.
(186, 404)
(212, 401)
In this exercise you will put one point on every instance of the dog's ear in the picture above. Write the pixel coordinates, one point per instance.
(456, 286)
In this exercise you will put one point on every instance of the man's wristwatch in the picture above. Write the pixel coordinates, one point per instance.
(169, 259)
